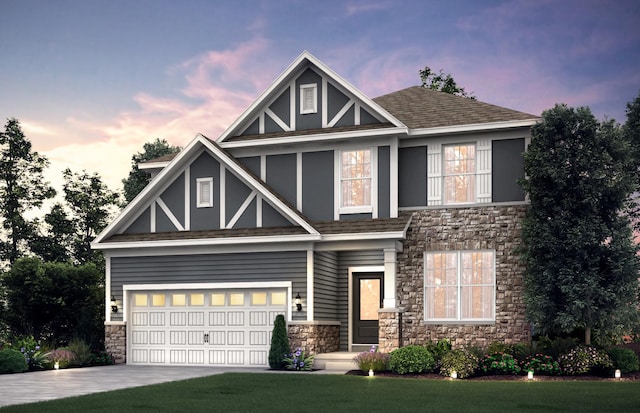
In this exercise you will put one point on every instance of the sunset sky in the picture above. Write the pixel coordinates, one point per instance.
(91, 81)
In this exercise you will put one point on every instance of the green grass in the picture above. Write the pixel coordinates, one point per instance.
(308, 392)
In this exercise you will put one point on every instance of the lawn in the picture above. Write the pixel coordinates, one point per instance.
(309, 392)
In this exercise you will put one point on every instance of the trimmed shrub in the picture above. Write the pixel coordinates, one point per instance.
(372, 360)
(439, 349)
(541, 365)
(279, 349)
(12, 361)
(411, 360)
(463, 362)
(81, 351)
(624, 359)
(499, 363)
(585, 359)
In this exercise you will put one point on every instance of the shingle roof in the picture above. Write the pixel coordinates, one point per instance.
(419, 107)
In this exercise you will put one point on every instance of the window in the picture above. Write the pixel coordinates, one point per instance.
(459, 174)
(157, 300)
(204, 192)
(355, 181)
(459, 286)
(308, 99)
(179, 300)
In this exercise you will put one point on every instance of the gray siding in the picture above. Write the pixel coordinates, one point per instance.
(325, 286)
(272, 218)
(252, 163)
(275, 266)
(236, 192)
(317, 185)
(205, 218)
(348, 119)
(384, 196)
(310, 120)
(248, 217)
(142, 224)
(355, 217)
(253, 129)
(508, 166)
(348, 259)
(163, 223)
(366, 118)
(281, 107)
(412, 176)
(335, 102)
(281, 175)
(173, 197)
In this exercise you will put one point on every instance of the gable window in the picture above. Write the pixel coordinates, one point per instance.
(355, 181)
(459, 286)
(204, 192)
(459, 174)
(308, 98)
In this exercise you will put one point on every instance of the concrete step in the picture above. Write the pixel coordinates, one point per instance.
(335, 361)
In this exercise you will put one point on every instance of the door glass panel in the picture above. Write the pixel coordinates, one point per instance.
(217, 299)
(278, 298)
(157, 300)
(197, 299)
(369, 299)
(236, 299)
(258, 298)
(140, 300)
(179, 299)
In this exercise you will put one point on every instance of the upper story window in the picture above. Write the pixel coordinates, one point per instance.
(204, 192)
(459, 286)
(459, 174)
(308, 98)
(355, 181)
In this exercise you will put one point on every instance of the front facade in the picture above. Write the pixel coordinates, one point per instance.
(386, 221)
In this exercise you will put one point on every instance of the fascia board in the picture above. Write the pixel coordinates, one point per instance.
(364, 236)
(474, 127)
(153, 165)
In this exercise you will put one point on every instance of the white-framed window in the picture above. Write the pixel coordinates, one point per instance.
(459, 173)
(459, 286)
(204, 192)
(308, 98)
(356, 180)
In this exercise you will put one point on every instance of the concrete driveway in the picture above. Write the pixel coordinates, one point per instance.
(57, 384)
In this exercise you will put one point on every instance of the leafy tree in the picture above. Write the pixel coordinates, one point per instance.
(54, 242)
(138, 179)
(582, 271)
(442, 82)
(22, 188)
(54, 301)
(632, 133)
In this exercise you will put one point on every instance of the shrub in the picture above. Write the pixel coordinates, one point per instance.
(624, 359)
(279, 344)
(556, 347)
(411, 359)
(463, 362)
(372, 360)
(101, 359)
(439, 349)
(12, 361)
(584, 359)
(541, 364)
(498, 347)
(298, 360)
(61, 356)
(499, 363)
(33, 353)
(81, 351)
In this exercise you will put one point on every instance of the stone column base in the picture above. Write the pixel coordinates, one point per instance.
(115, 341)
(390, 329)
(314, 336)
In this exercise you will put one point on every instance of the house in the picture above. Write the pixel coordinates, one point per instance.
(388, 221)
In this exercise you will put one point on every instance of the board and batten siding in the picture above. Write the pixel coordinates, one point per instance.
(347, 259)
(325, 286)
(211, 268)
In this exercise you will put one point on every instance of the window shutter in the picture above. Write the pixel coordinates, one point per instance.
(308, 98)
(483, 183)
(434, 174)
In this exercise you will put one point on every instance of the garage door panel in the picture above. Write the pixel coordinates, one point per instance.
(235, 357)
(157, 337)
(235, 338)
(140, 318)
(217, 338)
(196, 337)
(218, 357)
(140, 337)
(178, 338)
(157, 356)
(196, 318)
(178, 318)
(196, 356)
(258, 318)
(258, 338)
(139, 356)
(217, 318)
(156, 318)
(235, 318)
(178, 356)
(258, 358)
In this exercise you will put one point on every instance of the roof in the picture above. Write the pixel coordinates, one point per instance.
(305, 132)
(421, 108)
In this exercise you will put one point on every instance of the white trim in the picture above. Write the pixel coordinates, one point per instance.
(294, 245)
(299, 181)
(242, 209)
(277, 120)
(258, 211)
(310, 291)
(107, 289)
(153, 165)
(473, 127)
(261, 123)
(356, 114)
(222, 205)
(313, 88)
(325, 102)
(341, 113)
(393, 179)
(374, 182)
(169, 214)
(187, 198)
(372, 208)
(263, 168)
(390, 262)
(200, 183)
(152, 217)
(292, 105)
(350, 287)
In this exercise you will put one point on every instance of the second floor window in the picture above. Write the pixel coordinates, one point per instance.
(459, 174)
(355, 179)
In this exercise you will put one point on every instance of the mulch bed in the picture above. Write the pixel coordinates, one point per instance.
(635, 376)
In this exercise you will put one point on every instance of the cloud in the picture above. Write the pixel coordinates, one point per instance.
(354, 8)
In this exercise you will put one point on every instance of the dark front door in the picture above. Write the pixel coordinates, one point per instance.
(367, 300)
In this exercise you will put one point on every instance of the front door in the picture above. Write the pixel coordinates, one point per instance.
(367, 300)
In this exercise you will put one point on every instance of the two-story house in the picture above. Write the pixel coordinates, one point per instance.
(364, 221)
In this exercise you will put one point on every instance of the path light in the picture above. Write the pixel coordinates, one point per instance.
(530, 375)
(370, 372)
(454, 374)
(617, 374)
(298, 302)
(56, 365)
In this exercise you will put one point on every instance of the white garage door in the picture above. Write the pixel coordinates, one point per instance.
(214, 328)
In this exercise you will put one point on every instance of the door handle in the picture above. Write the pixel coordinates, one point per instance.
(206, 338)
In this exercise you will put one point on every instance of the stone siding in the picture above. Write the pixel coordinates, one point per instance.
(451, 229)
(314, 338)
(390, 330)
(115, 342)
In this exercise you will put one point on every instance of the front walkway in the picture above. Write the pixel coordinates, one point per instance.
(57, 384)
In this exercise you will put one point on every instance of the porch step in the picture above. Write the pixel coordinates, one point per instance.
(342, 360)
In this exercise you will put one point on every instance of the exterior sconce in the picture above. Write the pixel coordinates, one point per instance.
(298, 302)
(454, 374)
(617, 374)
(530, 375)
(114, 305)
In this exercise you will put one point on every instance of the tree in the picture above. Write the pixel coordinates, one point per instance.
(582, 271)
(22, 188)
(138, 179)
(632, 133)
(279, 349)
(442, 82)
(54, 241)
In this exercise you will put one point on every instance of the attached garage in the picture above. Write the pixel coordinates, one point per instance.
(214, 326)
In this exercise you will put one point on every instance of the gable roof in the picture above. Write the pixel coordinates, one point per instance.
(422, 108)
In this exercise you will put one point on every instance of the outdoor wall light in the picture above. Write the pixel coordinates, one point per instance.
(114, 305)
(617, 374)
(298, 302)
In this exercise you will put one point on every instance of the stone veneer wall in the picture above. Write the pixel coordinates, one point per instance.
(493, 227)
(314, 338)
(115, 342)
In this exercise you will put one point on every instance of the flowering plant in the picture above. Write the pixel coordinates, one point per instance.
(298, 360)
(372, 360)
(33, 354)
(541, 364)
(584, 359)
(499, 363)
(462, 361)
(61, 356)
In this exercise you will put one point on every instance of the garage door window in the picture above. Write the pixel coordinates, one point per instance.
(258, 298)
(140, 300)
(236, 299)
(217, 299)
(179, 300)
(197, 299)
(157, 300)
(278, 298)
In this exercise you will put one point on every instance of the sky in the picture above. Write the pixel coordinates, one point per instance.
(92, 80)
